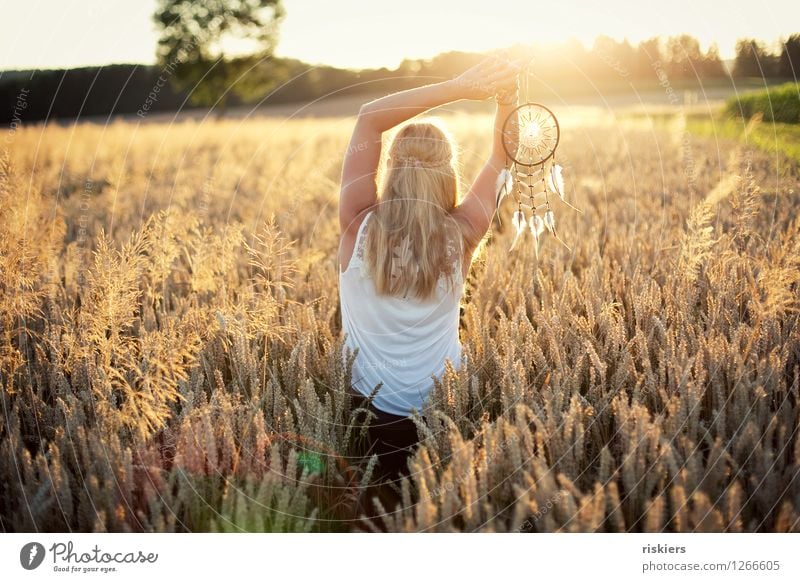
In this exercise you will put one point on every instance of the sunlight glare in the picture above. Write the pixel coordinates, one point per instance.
(530, 134)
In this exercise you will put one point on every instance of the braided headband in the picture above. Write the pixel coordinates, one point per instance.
(417, 163)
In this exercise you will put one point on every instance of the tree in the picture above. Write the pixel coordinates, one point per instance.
(789, 62)
(612, 57)
(712, 66)
(218, 47)
(648, 56)
(752, 59)
(684, 56)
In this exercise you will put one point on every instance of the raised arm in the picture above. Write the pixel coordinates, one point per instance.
(359, 170)
(478, 207)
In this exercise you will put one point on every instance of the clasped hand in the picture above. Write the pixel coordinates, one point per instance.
(493, 76)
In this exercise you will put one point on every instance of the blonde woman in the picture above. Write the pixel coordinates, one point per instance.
(406, 248)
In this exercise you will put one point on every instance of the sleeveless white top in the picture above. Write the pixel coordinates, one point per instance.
(402, 342)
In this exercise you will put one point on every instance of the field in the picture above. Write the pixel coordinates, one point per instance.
(170, 350)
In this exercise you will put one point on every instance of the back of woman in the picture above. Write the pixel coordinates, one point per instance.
(406, 247)
(401, 291)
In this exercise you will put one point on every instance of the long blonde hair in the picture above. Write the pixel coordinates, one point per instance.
(408, 235)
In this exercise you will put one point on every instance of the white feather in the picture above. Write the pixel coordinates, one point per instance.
(550, 221)
(504, 184)
(519, 223)
(555, 181)
(536, 225)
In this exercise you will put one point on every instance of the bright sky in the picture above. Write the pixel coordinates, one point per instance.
(364, 33)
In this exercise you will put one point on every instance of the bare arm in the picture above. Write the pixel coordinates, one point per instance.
(478, 207)
(359, 170)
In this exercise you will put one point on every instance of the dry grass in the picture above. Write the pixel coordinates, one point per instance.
(170, 348)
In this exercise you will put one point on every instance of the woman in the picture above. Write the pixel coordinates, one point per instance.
(404, 255)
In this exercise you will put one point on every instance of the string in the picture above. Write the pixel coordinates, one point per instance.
(527, 81)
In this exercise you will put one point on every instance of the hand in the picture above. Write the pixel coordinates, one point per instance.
(508, 94)
(487, 78)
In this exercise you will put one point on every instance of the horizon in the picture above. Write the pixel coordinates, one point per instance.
(112, 24)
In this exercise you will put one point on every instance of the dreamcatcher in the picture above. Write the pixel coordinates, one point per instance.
(531, 175)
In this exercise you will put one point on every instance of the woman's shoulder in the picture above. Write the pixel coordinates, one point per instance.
(352, 239)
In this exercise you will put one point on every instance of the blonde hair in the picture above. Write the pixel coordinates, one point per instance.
(407, 237)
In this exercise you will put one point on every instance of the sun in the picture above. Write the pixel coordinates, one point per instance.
(531, 134)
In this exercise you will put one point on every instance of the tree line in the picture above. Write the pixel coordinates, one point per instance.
(181, 81)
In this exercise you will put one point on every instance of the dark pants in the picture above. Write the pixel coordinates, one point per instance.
(389, 436)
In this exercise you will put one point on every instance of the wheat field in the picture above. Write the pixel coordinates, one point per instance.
(171, 357)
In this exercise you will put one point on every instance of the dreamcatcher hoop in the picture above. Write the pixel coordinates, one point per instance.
(531, 175)
(538, 134)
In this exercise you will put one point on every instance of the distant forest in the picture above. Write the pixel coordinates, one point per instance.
(140, 89)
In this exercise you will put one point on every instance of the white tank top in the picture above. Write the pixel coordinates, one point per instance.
(402, 342)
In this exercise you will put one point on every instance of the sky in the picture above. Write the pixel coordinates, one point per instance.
(367, 34)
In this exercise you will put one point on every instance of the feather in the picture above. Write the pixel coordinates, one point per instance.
(537, 226)
(509, 180)
(555, 181)
(550, 221)
(504, 185)
(519, 223)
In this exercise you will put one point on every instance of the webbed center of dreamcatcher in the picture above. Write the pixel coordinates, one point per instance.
(530, 134)
(531, 175)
